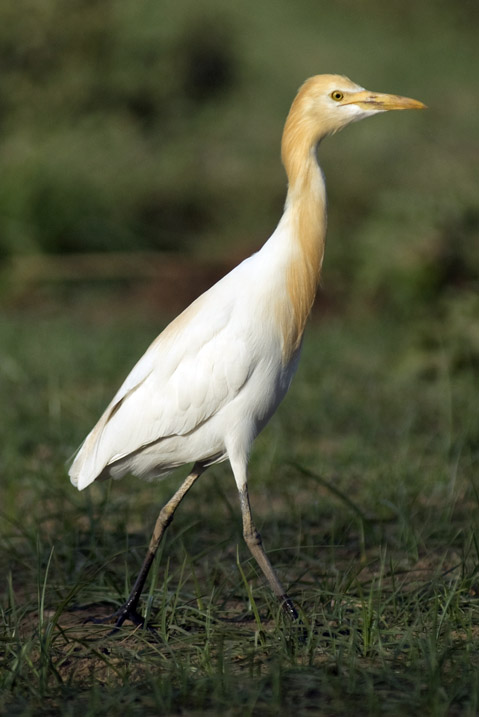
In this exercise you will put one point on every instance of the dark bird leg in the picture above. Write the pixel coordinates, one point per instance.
(255, 544)
(128, 611)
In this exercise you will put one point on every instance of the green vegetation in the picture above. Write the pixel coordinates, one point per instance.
(151, 126)
(146, 125)
(365, 487)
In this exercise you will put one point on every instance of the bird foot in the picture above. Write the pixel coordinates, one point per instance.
(298, 625)
(288, 607)
(125, 612)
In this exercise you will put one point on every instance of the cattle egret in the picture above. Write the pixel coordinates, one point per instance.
(213, 378)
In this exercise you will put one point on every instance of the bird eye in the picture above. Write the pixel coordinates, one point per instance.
(337, 95)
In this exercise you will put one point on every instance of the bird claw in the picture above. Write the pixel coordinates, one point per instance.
(290, 610)
(288, 607)
(125, 612)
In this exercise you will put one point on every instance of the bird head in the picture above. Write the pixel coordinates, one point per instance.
(332, 101)
(323, 106)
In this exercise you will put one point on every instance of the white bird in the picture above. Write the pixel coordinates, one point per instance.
(213, 378)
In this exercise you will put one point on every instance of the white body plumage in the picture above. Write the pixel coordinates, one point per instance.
(208, 384)
(211, 381)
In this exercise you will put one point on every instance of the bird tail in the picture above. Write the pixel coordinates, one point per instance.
(88, 465)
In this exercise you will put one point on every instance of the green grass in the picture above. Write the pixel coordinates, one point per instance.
(364, 487)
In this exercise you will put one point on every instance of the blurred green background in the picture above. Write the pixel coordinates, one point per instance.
(140, 149)
(147, 125)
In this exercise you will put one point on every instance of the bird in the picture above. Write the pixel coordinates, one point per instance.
(210, 382)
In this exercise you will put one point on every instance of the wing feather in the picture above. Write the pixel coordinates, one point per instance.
(193, 368)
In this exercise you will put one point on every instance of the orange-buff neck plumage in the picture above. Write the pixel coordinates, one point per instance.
(214, 377)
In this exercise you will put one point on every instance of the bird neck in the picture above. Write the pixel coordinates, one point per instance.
(305, 218)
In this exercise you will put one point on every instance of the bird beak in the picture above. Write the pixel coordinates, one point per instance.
(381, 102)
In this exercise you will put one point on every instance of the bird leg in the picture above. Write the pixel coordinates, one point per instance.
(128, 611)
(255, 544)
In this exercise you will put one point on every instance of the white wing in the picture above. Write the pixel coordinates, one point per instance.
(197, 365)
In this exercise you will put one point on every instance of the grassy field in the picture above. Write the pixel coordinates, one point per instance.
(151, 126)
(364, 487)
